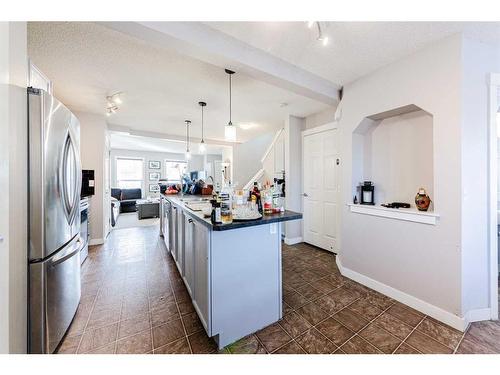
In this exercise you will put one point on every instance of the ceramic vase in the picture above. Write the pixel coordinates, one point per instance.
(422, 200)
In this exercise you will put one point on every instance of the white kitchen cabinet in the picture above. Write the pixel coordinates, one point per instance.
(201, 298)
(189, 254)
(196, 267)
(166, 222)
(173, 232)
(180, 242)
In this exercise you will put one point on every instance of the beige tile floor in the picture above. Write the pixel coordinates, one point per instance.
(134, 301)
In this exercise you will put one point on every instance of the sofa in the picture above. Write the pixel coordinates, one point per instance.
(127, 198)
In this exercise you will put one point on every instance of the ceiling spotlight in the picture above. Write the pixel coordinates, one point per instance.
(111, 110)
(321, 37)
(115, 98)
(112, 102)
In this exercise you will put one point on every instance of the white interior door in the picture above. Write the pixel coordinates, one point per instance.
(321, 188)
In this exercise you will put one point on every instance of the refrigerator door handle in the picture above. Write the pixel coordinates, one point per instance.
(70, 179)
(67, 253)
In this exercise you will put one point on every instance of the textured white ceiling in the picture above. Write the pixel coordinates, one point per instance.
(87, 61)
(139, 143)
(355, 48)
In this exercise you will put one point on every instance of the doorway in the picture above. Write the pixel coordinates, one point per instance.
(321, 162)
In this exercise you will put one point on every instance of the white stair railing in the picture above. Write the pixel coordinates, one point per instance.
(261, 172)
(256, 177)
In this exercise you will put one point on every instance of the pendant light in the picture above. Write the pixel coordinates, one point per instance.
(202, 147)
(230, 129)
(188, 153)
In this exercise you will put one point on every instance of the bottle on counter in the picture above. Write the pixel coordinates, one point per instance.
(226, 201)
(216, 212)
(267, 196)
(256, 196)
(277, 199)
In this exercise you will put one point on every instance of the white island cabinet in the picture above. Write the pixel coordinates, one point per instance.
(232, 272)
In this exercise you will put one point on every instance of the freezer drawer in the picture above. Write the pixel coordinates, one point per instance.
(54, 297)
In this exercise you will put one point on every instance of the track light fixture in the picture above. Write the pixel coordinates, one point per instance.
(321, 37)
(112, 103)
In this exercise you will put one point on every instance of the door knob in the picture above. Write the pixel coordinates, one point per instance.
(305, 195)
(1, 239)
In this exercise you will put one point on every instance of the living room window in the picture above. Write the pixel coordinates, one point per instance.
(174, 169)
(130, 173)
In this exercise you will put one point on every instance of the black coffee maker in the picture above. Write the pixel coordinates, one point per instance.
(367, 193)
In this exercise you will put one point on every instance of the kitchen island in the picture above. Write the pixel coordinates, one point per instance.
(231, 271)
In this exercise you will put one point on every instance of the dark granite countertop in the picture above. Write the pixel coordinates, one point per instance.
(266, 219)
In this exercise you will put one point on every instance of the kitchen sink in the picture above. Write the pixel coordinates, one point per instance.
(195, 199)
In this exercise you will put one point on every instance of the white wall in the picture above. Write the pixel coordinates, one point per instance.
(293, 175)
(422, 261)
(13, 173)
(478, 60)
(93, 129)
(320, 118)
(247, 156)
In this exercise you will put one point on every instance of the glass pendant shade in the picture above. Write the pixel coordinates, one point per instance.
(230, 132)
(202, 148)
(230, 129)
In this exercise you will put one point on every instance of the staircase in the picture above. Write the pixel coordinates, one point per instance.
(272, 162)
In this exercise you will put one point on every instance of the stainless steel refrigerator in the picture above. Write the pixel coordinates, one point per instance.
(54, 220)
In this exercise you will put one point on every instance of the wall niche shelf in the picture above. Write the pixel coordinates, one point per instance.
(405, 214)
(395, 150)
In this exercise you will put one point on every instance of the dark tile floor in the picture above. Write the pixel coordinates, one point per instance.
(134, 301)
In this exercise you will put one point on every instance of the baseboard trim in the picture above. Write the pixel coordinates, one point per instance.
(293, 240)
(96, 241)
(477, 315)
(436, 312)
